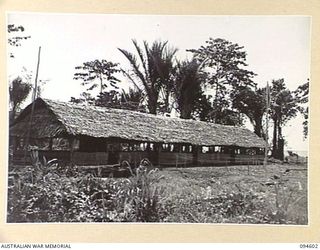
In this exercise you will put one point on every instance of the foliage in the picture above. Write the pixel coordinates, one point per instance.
(18, 92)
(85, 97)
(283, 108)
(101, 71)
(224, 62)
(46, 192)
(252, 103)
(131, 100)
(138, 199)
(151, 71)
(16, 39)
(108, 99)
(203, 108)
(187, 88)
(302, 97)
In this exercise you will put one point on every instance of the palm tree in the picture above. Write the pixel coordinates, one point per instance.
(251, 102)
(187, 89)
(283, 108)
(18, 92)
(151, 71)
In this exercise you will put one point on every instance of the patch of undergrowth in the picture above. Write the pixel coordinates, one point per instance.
(46, 192)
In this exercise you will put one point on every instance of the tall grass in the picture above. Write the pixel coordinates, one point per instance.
(138, 198)
(46, 192)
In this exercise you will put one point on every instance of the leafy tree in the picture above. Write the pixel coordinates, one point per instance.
(108, 99)
(15, 36)
(18, 92)
(85, 97)
(252, 103)
(133, 100)
(302, 97)
(226, 61)
(203, 108)
(187, 89)
(97, 73)
(283, 108)
(151, 71)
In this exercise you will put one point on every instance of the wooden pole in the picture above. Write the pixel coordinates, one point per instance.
(34, 94)
(71, 146)
(267, 125)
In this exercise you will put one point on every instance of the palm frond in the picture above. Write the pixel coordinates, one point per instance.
(133, 61)
(141, 56)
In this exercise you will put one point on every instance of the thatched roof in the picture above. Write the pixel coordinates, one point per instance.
(54, 118)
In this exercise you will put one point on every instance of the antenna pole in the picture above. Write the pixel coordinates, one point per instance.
(34, 96)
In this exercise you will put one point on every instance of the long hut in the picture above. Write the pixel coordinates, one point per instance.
(89, 135)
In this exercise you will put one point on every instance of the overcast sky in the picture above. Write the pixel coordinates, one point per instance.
(276, 46)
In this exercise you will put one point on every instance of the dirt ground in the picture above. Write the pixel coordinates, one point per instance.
(282, 189)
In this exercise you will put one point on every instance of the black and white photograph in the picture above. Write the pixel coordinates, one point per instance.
(123, 118)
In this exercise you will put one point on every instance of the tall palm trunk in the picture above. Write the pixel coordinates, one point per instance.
(258, 127)
(152, 104)
(275, 138)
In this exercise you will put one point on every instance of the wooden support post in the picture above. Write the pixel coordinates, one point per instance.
(158, 151)
(177, 156)
(71, 143)
(195, 155)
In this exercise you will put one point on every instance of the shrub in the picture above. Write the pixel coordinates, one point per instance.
(46, 193)
(138, 198)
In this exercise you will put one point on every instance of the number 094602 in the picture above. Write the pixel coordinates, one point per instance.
(313, 246)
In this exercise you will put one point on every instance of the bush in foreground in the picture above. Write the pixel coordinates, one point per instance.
(46, 193)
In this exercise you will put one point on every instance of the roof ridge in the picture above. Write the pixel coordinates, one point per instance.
(88, 120)
(83, 106)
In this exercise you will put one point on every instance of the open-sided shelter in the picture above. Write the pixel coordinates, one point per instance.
(89, 135)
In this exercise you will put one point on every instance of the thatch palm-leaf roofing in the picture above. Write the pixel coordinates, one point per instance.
(54, 118)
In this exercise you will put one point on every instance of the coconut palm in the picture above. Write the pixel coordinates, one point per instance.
(283, 108)
(187, 89)
(252, 103)
(18, 92)
(151, 71)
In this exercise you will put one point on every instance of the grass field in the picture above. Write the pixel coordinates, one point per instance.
(237, 194)
(276, 194)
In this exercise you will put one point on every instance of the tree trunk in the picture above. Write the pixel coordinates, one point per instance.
(101, 87)
(280, 149)
(275, 137)
(166, 101)
(152, 105)
(185, 112)
(258, 128)
(185, 115)
(280, 153)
